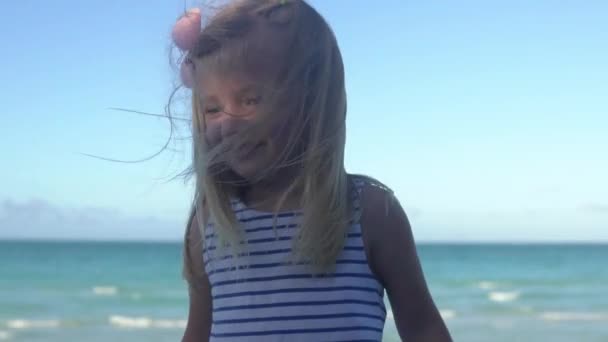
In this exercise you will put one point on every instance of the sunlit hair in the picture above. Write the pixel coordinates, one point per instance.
(304, 93)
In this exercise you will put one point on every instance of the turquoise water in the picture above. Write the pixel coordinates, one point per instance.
(61, 291)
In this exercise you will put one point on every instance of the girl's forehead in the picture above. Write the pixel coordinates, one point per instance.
(211, 78)
(258, 68)
(257, 56)
(216, 84)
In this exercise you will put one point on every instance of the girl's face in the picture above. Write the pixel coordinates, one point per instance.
(231, 104)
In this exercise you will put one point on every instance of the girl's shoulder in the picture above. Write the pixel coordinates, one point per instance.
(382, 217)
(392, 257)
(374, 198)
(368, 186)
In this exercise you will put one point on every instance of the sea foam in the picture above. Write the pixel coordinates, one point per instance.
(503, 297)
(145, 322)
(487, 285)
(574, 316)
(4, 335)
(22, 324)
(105, 290)
(447, 314)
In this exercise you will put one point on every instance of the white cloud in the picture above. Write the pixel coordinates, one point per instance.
(39, 219)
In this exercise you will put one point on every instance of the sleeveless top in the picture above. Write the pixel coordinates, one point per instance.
(271, 299)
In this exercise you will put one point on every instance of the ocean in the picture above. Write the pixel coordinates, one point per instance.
(93, 291)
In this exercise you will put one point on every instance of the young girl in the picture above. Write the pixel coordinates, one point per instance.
(282, 244)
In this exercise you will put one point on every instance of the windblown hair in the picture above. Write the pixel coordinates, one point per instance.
(304, 93)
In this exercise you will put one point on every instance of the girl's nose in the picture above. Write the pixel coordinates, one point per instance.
(231, 125)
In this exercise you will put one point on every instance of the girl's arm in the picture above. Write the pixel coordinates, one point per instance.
(393, 258)
(198, 327)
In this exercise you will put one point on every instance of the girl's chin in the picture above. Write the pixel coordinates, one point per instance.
(249, 169)
(249, 165)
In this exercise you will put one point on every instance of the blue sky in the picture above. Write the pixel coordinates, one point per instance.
(488, 119)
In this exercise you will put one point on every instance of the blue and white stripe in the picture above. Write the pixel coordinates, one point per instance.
(263, 296)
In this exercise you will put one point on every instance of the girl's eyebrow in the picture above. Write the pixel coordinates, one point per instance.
(207, 99)
(246, 89)
(238, 94)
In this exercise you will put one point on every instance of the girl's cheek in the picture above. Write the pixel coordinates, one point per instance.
(212, 133)
(279, 132)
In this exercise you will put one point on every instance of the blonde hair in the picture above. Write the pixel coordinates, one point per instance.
(307, 80)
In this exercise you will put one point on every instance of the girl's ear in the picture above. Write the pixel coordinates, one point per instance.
(186, 72)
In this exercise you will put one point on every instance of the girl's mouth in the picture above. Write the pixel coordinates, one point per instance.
(246, 150)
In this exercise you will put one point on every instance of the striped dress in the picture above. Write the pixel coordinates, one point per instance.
(274, 300)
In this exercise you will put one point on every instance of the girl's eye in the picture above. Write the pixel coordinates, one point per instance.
(252, 101)
(213, 110)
